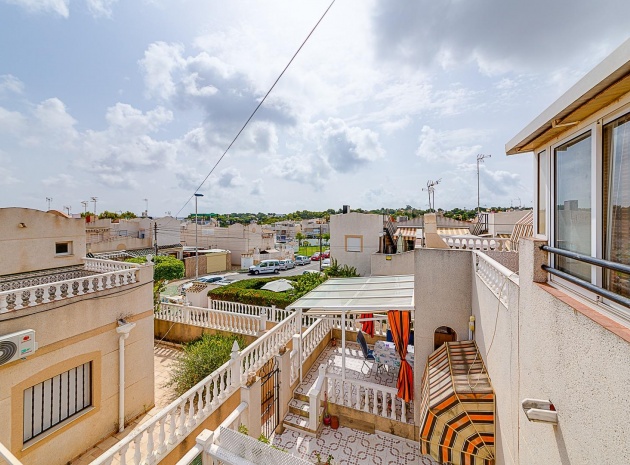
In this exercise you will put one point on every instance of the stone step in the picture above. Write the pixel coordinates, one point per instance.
(299, 407)
(302, 397)
(298, 423)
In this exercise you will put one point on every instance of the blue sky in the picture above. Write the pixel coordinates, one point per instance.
(138, 99)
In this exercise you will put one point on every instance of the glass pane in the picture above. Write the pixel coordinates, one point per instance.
(542, 192)
(573, 204)
(617, 202)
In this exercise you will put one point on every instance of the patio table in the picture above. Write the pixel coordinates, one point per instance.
(385, 354)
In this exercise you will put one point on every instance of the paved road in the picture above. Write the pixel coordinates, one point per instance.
(292, 272)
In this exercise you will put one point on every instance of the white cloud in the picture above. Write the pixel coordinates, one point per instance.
(452, 146)
(101, 8)
(12, 122)
(59, 7)
(63, 179)
(230, 178)
(9, 84)
(257, 187)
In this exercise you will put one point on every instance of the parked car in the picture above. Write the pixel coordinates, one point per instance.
(286, 264)
(223, 282)
(302, 260)
(326, 254)
(210, 279)
(266, 266)
(315, 257)
(325, 262)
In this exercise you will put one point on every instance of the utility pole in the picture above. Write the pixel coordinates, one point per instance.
(67, 209)
(320, 248)
(94, 199)
(197, 195)
(155, 238)
(480, 158)
(48, 199)
(146, 210)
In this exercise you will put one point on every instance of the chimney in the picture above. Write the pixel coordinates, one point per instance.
(345, 209)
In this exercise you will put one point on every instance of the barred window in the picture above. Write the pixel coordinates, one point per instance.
(55, 400)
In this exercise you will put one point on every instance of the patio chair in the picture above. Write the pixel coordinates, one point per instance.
(368, 354)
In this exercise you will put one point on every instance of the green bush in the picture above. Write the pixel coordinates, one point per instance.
(200, 358)
(336, 271)
(166, 267)
(248, 291)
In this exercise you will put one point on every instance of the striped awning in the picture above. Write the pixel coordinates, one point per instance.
(457, 407)
(453, 231)
(407, 233)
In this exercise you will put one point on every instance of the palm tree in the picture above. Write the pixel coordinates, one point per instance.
(299, 236)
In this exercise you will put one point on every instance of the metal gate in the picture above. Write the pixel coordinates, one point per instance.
(270, 394)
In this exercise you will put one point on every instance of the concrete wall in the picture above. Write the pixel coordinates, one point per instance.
(28, 238)
(540, 343)
(119, 243)
(503, 222)
(392, 264)
(72, 332)
(366, 227)
(442, 297)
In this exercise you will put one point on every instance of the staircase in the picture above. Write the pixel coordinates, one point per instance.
(389, 230)
(299, 415)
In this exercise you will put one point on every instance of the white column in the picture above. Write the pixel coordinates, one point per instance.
(123, 330)
(251, 394)
(343, 344)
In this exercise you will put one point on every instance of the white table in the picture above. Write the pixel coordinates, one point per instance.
(385, 354)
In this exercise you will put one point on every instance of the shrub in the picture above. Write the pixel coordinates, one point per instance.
(336, 271)
(166, 267)
(200, 358)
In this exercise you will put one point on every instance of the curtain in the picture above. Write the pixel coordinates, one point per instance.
(367, 326)
(399, 324)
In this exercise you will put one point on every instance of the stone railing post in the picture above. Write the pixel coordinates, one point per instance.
(283, 361)
(250, 393)
(263, 320)
(274, 314)
(235, 366)
(298, 346)
(205, 440)
(531, 259)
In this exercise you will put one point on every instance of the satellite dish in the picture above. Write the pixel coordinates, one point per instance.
(149, 257)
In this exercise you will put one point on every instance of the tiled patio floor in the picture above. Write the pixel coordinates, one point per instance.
(349, 446)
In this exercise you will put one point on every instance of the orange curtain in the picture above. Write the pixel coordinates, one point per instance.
(399, 324)
(367, 326)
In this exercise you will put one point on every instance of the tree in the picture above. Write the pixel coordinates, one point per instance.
(299, 236)
(166, 267)
(128, 215)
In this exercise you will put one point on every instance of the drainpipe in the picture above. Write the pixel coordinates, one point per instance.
(123, 330)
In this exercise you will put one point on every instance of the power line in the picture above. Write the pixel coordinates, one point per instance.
(256, 109)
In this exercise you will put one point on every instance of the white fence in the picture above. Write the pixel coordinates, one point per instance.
(478, 243)
(367, 397)
(352, 324)
(215, 319)
(273, 313)
(496, 276)
(155, 438)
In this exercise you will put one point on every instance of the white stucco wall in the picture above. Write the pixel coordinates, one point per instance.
(28, 238)
(366, 227)
(392, 264)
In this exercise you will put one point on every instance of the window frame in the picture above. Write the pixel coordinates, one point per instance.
(350, 236)
(69, 250)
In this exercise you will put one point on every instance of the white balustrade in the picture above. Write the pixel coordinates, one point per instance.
(380, 325)
(295, 365)
(208, 318)
(496, 276)
(368, 397)
(315, 398)
(104, 266)
(315, 334)
(31, 296)
(477, 243)
(273, 313)
(160, 434)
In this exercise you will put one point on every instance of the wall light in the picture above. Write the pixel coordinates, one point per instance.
(542, 411)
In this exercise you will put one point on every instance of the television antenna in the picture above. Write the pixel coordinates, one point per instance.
(430, 189)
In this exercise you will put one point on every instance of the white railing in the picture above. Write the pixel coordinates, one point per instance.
(215, 319)
(496, 276)
(294, 356)
(159, 435)
(380, 325)
(254, 356)
(315, 334)
(17, 299)
(7, 457)
(367, 397)
(316, 397)
(177, 420)
(273, 313)
(478, 243)
(104, 266)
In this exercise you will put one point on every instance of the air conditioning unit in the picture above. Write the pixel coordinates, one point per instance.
(17, 345)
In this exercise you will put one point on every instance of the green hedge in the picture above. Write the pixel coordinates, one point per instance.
(166, 267)
(248, 291)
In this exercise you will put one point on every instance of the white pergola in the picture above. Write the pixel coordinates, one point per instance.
(342, 296)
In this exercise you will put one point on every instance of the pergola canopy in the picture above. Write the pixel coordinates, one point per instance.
(358, 295)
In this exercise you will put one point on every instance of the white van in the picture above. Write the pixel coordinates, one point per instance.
(266, 266)
(302, 260)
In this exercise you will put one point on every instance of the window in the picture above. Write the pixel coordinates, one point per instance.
(542, 193)
(573, 204)
(354, 243)
(616, 202)
(57, 399)
(63, 248)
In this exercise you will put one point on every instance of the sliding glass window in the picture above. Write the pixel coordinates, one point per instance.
(542, 193)
(616, 199)
(573, 204)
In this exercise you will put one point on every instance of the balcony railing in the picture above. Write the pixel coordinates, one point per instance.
(495, 276)
(106, 274)
(233, 322)
(606, 264)
(478, 243)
